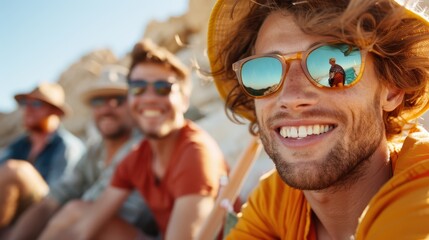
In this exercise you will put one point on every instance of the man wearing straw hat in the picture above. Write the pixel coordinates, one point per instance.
(351, 162)
(39, 158)
(107, 99)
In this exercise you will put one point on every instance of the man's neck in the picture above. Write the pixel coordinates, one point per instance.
(162, 150)
(336, 210)
(113, 145)
(38, 140)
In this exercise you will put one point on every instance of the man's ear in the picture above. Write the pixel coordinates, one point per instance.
(391, 98)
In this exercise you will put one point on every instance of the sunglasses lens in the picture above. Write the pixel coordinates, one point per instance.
(113, 101)
(97, 102)
(334, 65)
(163, 88)
(30, 103)
(261, 76)
(137, 88)
(22, 102)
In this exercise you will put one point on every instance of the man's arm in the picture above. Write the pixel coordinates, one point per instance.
(188, 215)
(101, 211)
(34, 220)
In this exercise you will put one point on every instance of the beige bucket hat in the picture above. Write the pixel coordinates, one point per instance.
(223, 21)
(51, 93)
(112, 81)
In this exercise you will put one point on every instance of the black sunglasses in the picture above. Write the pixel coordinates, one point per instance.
(113, 101)
(33, 103)
(138, 87)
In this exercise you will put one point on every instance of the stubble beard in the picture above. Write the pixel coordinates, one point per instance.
(342, 167)
(121, 130)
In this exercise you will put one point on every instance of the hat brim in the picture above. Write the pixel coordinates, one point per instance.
(222, 22)
(102, 92)
(65, 108)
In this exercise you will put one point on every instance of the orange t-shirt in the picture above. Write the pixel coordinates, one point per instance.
(399, 210)
(195, 167)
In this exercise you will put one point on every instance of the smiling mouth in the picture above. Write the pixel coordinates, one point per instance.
(299, 132)
(151, 113)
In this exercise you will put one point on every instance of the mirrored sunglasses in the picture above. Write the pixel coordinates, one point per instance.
(33, 103)
(327, 65)
(113, 101)
(139, 86)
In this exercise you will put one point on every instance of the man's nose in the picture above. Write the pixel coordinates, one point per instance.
(296, 91)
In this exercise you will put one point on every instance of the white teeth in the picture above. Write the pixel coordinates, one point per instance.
(316, 129)
(293, 132)
(304, 131)
(151, 113)
(326, 128)
(283, 132)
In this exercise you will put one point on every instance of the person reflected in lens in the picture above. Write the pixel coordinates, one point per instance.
(337, 75)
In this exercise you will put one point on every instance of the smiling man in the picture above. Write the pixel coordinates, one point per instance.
(344, 169)
(176, 168)
(37, 159)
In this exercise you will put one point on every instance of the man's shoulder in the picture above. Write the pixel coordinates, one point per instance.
(68, 138)
(414, 150)
(21, 139)
(193, 133)
(403, 199)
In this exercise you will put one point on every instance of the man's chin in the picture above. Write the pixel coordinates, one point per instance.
(154, 136)
(35, 129)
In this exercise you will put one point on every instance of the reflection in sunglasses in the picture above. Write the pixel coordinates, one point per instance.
(326, 65)
(139, 86)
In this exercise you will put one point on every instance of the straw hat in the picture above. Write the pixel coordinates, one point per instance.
(223, 20)
(51, 93)
(112, 81)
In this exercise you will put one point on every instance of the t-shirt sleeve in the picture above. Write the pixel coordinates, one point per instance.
(122, 176)
(198, 171)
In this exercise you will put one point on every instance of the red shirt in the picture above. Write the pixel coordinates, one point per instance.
(195, 166)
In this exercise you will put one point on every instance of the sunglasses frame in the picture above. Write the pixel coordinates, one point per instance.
(32, 103)
(106, 100)
(286, 59)
(130, 82)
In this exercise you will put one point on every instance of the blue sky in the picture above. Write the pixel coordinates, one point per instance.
(40, 39)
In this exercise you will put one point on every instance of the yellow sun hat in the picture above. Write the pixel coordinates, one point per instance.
(224, 20)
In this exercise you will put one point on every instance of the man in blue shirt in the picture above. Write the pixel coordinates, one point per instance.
(45, 147)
